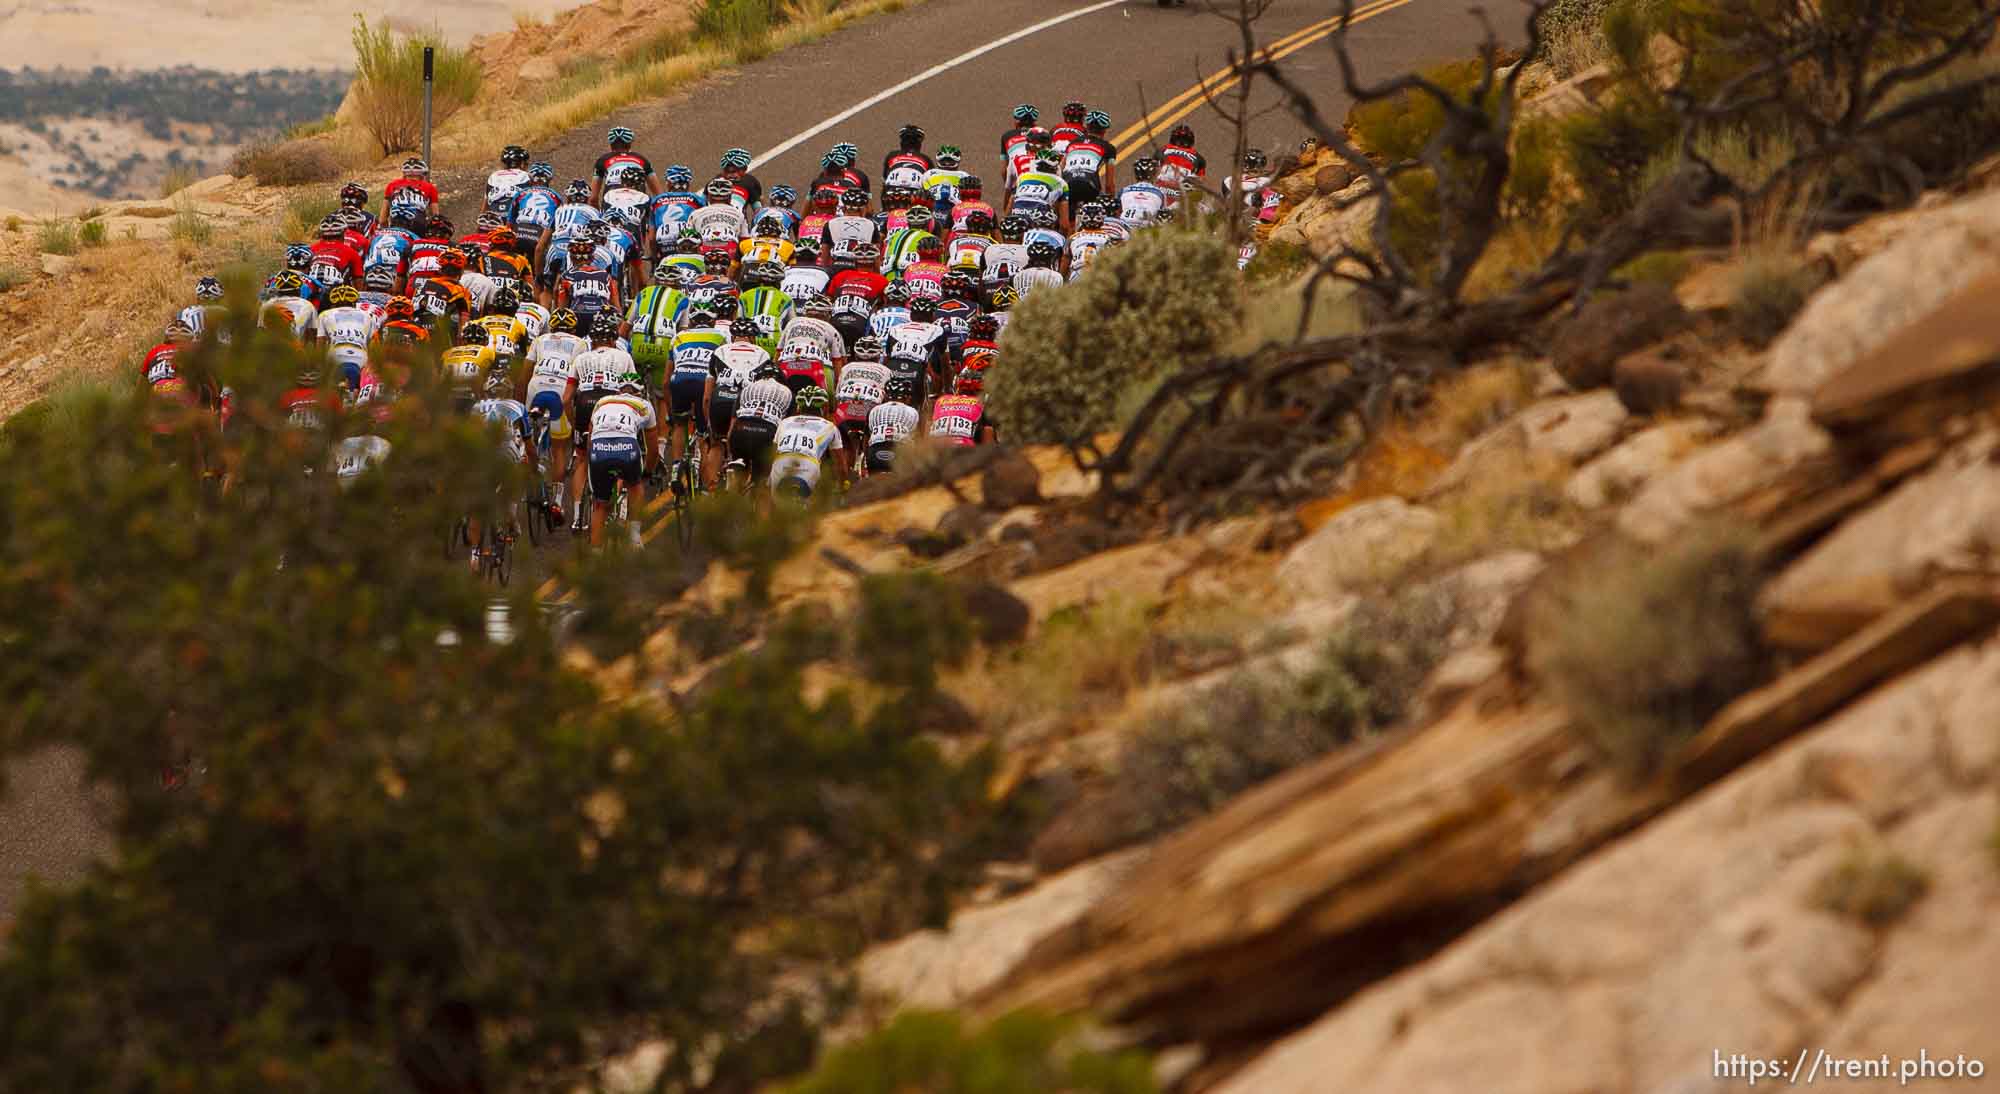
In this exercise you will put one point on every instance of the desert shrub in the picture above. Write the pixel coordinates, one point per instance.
(1613, 150)
(735, 23)
(656, 46)
(1873, 885)
(1162, 301)
(1277, 262)
(389, 83)
(1022, 1052)
(57, 236)
(325, 123)
(1514, 503)
(1643, 644)
(11, 278)
(177, 178)
(1655, 268)
(285, 163)
(1396, 128)
(189, 225)
(92, 233)
(303, 212)
(1365, 677)
(1573, 35)
(13, 223)
(1767, 291)
(1470, 402)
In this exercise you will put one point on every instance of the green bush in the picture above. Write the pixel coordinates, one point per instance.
(1397, 128)
(735, 24)
(1023, 1052)
(285, 163)
(303, 212)
(177, 178)
(189, 225)
(57, 236)
(1643, 644)
(1164, 300)
(1876, 887)
(92, 233)
(11, 278)
(389, 83)
(1613, 152)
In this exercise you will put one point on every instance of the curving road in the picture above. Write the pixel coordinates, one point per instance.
(1121, 55)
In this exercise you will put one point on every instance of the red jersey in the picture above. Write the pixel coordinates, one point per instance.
(1061, 135)
(925, 279)
(416, 193)
(309, 408)
(866, 284)
(334, 262)
(965, 209)
(976, 355)
(610, 163)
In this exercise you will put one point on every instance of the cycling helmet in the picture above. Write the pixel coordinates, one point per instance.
(542, 173)
(1047, 159)
(810, 399)
(898, 197)
(1006, 296)
(923, 309)
(679, 176)
(767, 371)
(1144, 168)
(416, 166)
(514, 156)
(581, 245)
(867, 252)
(497, 380)
(979, 222)
(1042, 253)
(354, 195)
(910, 135)
(577, 192)
(502, 237)
(451, 259)
(829, 161)
(1073, 111)
(970, 381)
(808, 250)
(814, 305)
(441, 227)
(562, 319)
(983, 327)
(725, 306)
(783, 196)
(930, 248)
(736, 159)
(868, 347)
(1254, 160)
(407, 219)
(1012, 227)
(1026, 114)
(745, 328)
(854, 199)
(618, 134)
(688, 242)
(505, 302)
(599, 231)
(959, 286)
(1182, 135)
(948, 156)
(472, 333)
(379, 278)
(614, 215)
(848, 152)
(896, 294)
(718, 256)
(400, 307)
(768, 228)
(342, 296)
(1097, 121)
(1044, 218)
(308, 375)
(719, 190)
(825, 196)
(900, 389)
(633, 176)
(919, 216)
(1164, 216)
(604, 328)
(487, 221)
(971, 186)
(1090, 214)
(298, 256)
(355, 219)
(631, 386)
(178, 328)
(208, 288)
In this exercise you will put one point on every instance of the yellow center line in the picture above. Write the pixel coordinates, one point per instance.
(1152, 119)
(1192, 99)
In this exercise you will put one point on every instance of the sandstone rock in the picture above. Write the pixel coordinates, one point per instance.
(1002, 617)
(1941, 252)
(963, 523)
(57, 265)
(1649, 383)
(1611, 326)
(945, 968)
(1010, 481)
(1361, 543)
(1574, 428)
(1094, 825)
(1619, 473)
(1455, 677)
(1323, 223)
(1785, 446)
(1946, 520)
(1933, 367)
(1482, 591)
(538, 70)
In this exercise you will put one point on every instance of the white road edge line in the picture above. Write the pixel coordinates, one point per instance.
(926, 74)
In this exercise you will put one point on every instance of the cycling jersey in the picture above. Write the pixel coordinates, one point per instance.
(801, 281)
(654, 316)
(354, 455)
(976, 355)
(1139, 202)
(502, 186)
(1178, 162)
(804, 442)
(901, 249)
(507, 269)
(348, 326)
(512, 418)
(534, 317)
(716, 223)
(1061, 136)
(417, 195)
(956, 419)
(859, 389)
(887, 319)
(964, 209)
(942, 185)
(1037, 190)
(334, 263)
(905, 176)
(633, 202)
(1003, 261)
(569, 219)
(443, 297)
(814, 338)
(202, 318)
(1082, 166)
(480, 288)
(736, 360)
(1014, 140)
(587, 290)
(917, 342)
(391, 248)
(669, 210)
(1045, 235)
(610, 163)
(967, 252)
(601, 370)
(771, 309)
(767, 249)
(890, 423)
(466, 366)
(297, 314)
(535, 210)
(844, 234)
(1083, 247)
(924, 279)
(162, 377)
(1036, 277)
(308, 408)
(955, 316)
(506, 335)
(764, 400)
(693, 353)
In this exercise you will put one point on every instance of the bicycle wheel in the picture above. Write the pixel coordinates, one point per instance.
(683, 507)
(501, 562)
(535, 514)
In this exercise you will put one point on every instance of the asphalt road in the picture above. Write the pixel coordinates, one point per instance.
(1124, 58)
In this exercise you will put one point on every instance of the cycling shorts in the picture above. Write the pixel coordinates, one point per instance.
(550, 403)
(1082, 187)
(721, 412)
(579, 413)
(684, 396)
(750, 440)
(612, 460)
(350, 360)
(795, 474)
(882, 457)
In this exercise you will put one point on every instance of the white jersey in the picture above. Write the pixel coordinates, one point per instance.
(549, 358)
(804, 442)
(737, 359)
(480, 287)
(1083, 246)
(501, 184)
(764, 400)
(354, 455)
(602, 369)
(1140, 202)
(633, 202)
(862, 382)
(718, 222)
(534, 317)
(890, 423)
(200, 317)
(621, 416)
(1035, 277)
(1003, 261)
(349, 326)
(914, 341)
(844, 233)
(299, 313)
(801, 281)
(816, 339)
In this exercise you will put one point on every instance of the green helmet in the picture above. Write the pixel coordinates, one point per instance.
(811, 399)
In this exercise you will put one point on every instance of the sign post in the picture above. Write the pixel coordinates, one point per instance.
(427, 104)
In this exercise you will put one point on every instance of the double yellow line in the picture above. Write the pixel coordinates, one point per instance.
(1141, 132)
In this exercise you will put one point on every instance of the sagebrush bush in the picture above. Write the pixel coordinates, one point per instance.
(286, 163)
(92, 233)
(1642, 644)
(1143, 309)
(389, 83)
(1023, 1052)
(178, 177)
(1876, 887)
(11, 278)
(1768, 291)
(57, 236)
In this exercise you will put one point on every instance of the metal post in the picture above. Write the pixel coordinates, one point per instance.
(427, 103)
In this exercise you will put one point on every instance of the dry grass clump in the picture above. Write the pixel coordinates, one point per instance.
(1875, 886)
(285, 163)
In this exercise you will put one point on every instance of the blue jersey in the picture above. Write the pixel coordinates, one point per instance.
(790, 218)
(887, 319)
(694, 353)
(390, 247)
(611, 253)
(571, 218)
(1045, 235)
(511, 417)
(535, 207)
(670, 210)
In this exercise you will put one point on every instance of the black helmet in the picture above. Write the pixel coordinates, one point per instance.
(1073, 111)
(1012, 227)
(767, 371)
(971, 184)
(298, 256)
(208, 288)
(514, 156)
(896, 294)
(1144, 168)
(505, 302)
(354, 195)
(1090, 213)
(923, 309)
(983, 326)
(562, 319)
(633, 176)
(472, 332)
(854, 198)
(979, 222)
(604, 326)
(959, 286)
(900, 389)
(910, 136)
(1253, 159)
(577, 192)
(1182, 134)
(1042, 252)
(745, 327)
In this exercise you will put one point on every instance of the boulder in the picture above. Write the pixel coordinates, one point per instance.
(1932, 368)
(1483, 589)
(1611, 326)
(1618, 474)
(1333, 178)
(1573, 428)
(1093, 825)
(1649, 383)
(1773, 457)
(1010, 481)
(57, 265)
(1324, 223)
(1941, 252)
(1946, 520)
(1361, 543)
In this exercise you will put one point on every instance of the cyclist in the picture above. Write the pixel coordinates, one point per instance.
(390, 247)
(503, 263)
(941, 183)
(414, 191)
(735, 166)
(597, 372)
(499, 408)
(850, 229)
(1254, 184)
(765, 304)
(623, 435)
(823, 207)
(971, 203)
(443, 295)
(535, 205)
(805, 275)
(926, 272)
(502, 185)
(966, 248)
(619, 154)
(691, 354)
(551, 382)
(804, 441)
(354, 199)
(1071, 128)
(650, 325)
(781, 208)
(467, 363)
(669, 210)
(919, 344)
(207, 312)
(506, 335)
(760, 406)
(1024, 129)
(767, 243)
(532, 315)
(960, 418)
(334, 261)
(720, 218)
(1042, 270)
(1141, 201)
(1025, 157)
(287, 305)
(955, 311)
(163, 378)
(811, 334)
(891, 422)
(1090, 237)
(856, 287)
(1089, 165)
(628, 194)
(572, 219)
(1007, 257)
(850, 165)
(899, 251)
(893, 311)
(1179, 162)
(615, 241)
(860, 389)
(587, 288)
(1041, 188)
(830, 176)
(982, 345)
(346, 330)
(400, 327)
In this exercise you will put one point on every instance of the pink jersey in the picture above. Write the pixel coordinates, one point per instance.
(955, 419)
